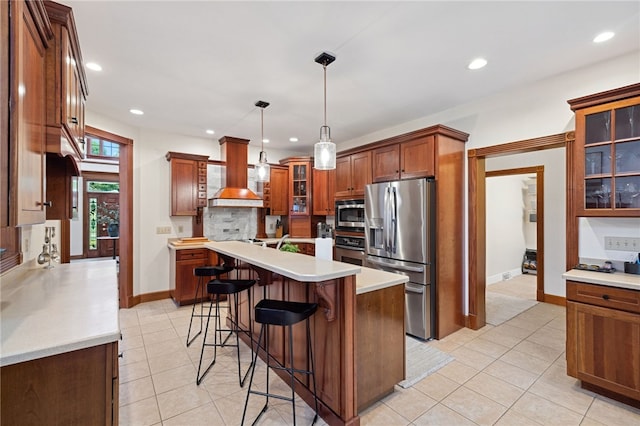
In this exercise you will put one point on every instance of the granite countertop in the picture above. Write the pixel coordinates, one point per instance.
(614, 279)
(48, 312)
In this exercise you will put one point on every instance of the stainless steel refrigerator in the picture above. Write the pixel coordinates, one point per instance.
(399, 237)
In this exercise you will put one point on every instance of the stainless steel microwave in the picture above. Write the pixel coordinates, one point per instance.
(350, 215)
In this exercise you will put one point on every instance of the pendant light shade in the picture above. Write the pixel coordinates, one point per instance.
(263, 171)
(324, 151)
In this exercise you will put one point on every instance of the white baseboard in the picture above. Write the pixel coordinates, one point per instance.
(492, 279)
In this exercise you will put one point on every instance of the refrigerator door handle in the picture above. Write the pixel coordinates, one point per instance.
(385, 221)
(395, 266)
(394, 220)
(417, 290)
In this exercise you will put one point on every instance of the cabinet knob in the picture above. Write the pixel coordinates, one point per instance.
(605, 296)
(74, 120)
(402, 170)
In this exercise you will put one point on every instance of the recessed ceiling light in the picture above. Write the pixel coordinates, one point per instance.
(265, 140)
(607, 35)
(210, 132)
(293, 139)
(93, 66)
(477, 63)
(136, 111)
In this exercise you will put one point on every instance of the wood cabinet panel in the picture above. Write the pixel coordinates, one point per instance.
(78, 387)
(417, 158)
(183, 282)
(324, 182)
(386, 163)
(188, 183)
(67, 88)
(353, 173)
(279, 191)
(28, 118)
(412, 159)
(603, 339)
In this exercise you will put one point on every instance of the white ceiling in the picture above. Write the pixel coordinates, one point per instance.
(196, 65)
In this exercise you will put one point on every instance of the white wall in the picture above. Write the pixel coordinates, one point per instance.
(527, 112)
(591, 249)
(507, 226)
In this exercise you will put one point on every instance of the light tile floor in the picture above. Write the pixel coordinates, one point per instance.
(511, 374)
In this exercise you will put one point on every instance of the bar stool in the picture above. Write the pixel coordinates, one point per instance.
(219, 287)
(282, 313)
(201, 272)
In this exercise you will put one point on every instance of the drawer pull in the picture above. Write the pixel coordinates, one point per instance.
(605, 296)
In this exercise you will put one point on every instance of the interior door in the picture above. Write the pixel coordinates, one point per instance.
(103, 210)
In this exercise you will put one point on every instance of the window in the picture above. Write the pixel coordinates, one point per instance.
(101, 148)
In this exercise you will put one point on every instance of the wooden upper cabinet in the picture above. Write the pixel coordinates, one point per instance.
(606, 154)
(299, 186)
(324, 184)
(279, 188)
(27, 119)
(188, 183)
(353, 173)
(66, 86)
(406, 160)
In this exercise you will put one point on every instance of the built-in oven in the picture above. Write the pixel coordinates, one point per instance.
(350, 249)
(350, 215)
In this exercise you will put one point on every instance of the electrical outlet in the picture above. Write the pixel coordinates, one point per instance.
(506, 276)
(163, 230)
(180, 228)
(26, 245)
(272, 226)
(622, 244)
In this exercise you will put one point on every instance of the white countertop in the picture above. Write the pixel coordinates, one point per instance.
(615, 279)
(369, 279)
(296, 266)
(48, 312)
(267, 241)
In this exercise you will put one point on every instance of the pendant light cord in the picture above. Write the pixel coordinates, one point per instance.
(262, 129)
(324, 67)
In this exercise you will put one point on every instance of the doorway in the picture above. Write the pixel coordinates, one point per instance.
(514, 224)
(476, 317)
(101, 216)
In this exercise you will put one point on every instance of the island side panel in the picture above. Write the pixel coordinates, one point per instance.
(380, 343)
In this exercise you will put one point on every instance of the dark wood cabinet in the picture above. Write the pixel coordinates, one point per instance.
(603, 338)
(188, 183)
(28, 38)
(606, 156)
(67, 88)
(324, 183)
(182, 282)
(78, 387)
(353, 173)
(405, 160)
(279, 191)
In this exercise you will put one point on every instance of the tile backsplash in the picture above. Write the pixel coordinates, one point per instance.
(226, 223)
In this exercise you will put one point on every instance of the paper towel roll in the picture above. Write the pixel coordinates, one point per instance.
(324, 248)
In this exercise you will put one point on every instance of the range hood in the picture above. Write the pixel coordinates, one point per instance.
(235, 191)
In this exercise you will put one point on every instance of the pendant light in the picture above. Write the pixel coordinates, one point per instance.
(263, 171)
(324, 151)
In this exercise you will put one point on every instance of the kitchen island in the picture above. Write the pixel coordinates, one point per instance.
(357, 333)
(59, 345)
(603, 333)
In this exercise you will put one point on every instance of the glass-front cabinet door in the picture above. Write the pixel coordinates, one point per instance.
(300, 179)
(608, 159)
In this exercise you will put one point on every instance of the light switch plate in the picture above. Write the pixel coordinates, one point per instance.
(163, 230)
(622, 244)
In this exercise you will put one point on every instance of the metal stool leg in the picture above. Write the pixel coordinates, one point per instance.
(204, 340)
(199, 287)
(253, 369)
